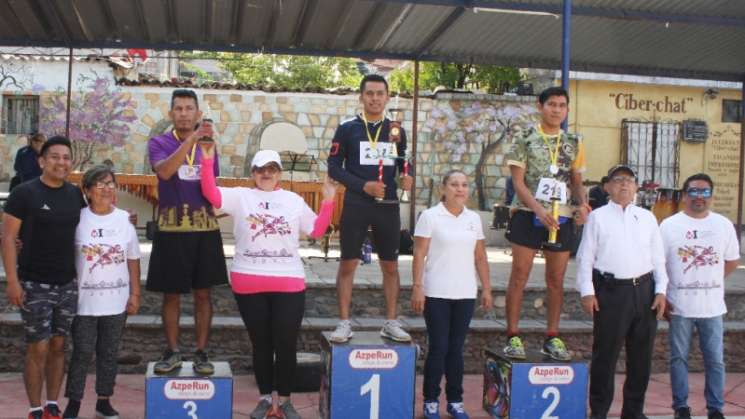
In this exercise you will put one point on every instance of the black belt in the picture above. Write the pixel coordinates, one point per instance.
(609, 279)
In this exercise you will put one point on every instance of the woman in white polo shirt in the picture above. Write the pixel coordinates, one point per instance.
(449, 256)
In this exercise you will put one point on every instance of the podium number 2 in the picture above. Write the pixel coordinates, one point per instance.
(552, 392)
(372, 386)
(191, 409)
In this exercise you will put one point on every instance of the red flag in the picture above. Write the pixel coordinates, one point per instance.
(139, 53)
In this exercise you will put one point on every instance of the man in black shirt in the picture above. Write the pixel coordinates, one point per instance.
(598, 196)
(44, 214)
(366, 156)
(27, 160)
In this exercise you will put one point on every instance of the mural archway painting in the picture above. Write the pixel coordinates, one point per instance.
(276, 134)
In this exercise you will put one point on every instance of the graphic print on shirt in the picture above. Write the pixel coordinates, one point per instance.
(102, 254)
(696, 256)
(268, 225)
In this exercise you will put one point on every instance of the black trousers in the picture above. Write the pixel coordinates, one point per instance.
(273, 321)
(625, 318)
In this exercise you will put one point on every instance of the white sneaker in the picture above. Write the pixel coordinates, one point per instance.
(392, 330)
(342, 333)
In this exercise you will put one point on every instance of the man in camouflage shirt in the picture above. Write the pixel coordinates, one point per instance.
(545, 163)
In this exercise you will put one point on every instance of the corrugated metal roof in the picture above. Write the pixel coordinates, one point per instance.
(682, 38)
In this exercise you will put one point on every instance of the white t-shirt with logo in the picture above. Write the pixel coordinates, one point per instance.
(103, 243)
(267, 228)
(450, 265)
(695, 250)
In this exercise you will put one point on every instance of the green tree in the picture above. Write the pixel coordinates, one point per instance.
(291, 71)
(493, 79)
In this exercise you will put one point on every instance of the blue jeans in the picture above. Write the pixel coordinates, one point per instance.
(710, 331)
(447, 324)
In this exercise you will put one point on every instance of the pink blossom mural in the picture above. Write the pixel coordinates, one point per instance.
(100, 116)
(480, 128)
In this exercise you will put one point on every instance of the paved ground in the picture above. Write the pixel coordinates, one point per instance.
(129, 397)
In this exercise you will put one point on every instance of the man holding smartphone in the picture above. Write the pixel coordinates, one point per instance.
(187, 255)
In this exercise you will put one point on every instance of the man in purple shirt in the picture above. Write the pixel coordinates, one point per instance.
(187, 253)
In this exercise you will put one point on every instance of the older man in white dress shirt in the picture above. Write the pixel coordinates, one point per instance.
(622, 279)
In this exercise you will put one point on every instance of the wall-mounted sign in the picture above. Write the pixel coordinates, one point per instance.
(667, 104)
(695, 131)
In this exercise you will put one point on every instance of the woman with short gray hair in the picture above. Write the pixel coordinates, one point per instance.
(108, 266)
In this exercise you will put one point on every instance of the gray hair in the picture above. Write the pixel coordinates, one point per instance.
(96, 174)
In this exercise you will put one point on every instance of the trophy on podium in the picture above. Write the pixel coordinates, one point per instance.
(394, 137)
(553, 233)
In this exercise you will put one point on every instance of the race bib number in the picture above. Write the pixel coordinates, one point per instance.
(186, 172)
(549, 188)
(371, 156)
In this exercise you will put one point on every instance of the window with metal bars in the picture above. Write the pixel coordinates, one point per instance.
(20, 114)
(652, 149)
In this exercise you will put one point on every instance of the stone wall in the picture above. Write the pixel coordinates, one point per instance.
(460, 131)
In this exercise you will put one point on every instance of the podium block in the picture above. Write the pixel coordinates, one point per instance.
(367, 377)
(537, 387)
(185, 394)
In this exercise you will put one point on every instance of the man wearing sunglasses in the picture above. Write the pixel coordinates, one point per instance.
(621, 276)
(702, 249)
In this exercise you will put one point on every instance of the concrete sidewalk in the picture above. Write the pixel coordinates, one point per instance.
(130, 393)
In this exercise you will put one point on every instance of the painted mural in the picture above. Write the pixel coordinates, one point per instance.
(474, 132)
(100, 117)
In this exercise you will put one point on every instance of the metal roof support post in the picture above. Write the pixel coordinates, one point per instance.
(414, 129)
(69, 94)
(566, 33)
(741, 175)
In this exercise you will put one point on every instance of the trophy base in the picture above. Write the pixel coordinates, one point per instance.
(551, 245)
(387, 201)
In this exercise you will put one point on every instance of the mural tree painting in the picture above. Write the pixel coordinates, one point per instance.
(13, 75)
(478, 128)
(99, 116)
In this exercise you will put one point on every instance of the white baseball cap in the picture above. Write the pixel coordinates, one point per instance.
(264, 157)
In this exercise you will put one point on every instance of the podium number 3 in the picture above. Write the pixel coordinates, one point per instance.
(552, 392)
(372, 386)
(191, 409)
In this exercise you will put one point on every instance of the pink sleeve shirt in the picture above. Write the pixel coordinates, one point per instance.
(266, 228)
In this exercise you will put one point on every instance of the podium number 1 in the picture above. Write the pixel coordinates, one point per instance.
(191, 409)
(372, 386)
(552, 392)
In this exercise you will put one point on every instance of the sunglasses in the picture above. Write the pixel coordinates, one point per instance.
(699, 192)
(269, 168)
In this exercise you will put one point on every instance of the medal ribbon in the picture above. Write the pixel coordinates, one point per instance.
(553, 155)
(373, 142)
(189, 158)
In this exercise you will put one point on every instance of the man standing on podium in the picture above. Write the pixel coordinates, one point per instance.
(622, 279)
(187, 254)
(545, 164)
(367, 153)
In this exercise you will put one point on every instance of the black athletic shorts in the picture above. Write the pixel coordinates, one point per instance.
(522, 231)
(181, 262)
(385, 220)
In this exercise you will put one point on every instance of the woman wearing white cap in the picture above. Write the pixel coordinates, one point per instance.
(267, 275)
